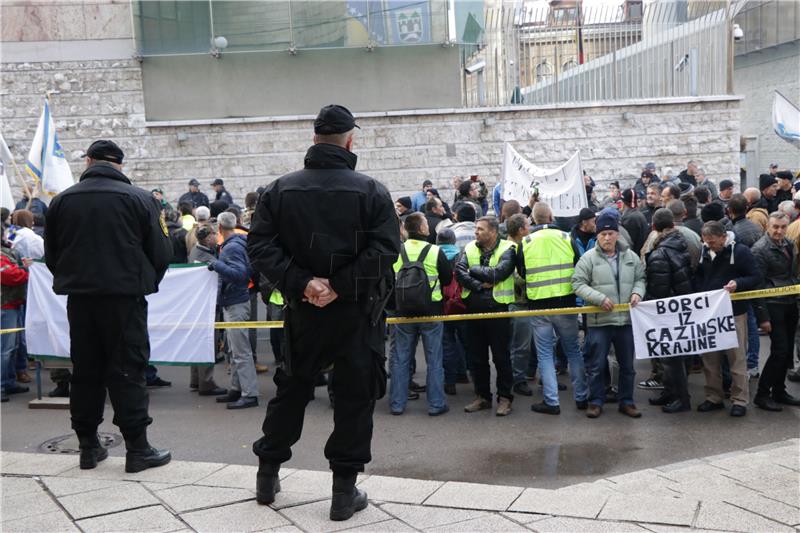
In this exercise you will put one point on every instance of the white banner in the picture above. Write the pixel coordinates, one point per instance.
(786, 119)
(561, 188)
(684, 325)
(6, 162)
(180, 316)
(46, 161)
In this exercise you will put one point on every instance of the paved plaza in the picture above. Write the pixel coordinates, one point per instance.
(754, 490)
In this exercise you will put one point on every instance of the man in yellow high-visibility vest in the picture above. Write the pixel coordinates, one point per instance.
(484, 271)
(547, 261)
(438, 273)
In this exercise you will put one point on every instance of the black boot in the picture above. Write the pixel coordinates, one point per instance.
(268, 483)
(347, 499)
(142, 456)
(92, 452)
(61, 390)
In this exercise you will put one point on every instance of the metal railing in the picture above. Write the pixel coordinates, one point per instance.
(546, 55)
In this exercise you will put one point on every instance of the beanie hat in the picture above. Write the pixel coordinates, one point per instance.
(629, 197)
(586, 214)
(405, 201)
(606, 222)
(712, 211)
(765, 181)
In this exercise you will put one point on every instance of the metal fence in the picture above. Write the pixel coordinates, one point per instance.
(550, 55)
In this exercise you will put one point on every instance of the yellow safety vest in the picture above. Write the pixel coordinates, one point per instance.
(413, 249)
(276, 297)
(549, 264)
(502, 292)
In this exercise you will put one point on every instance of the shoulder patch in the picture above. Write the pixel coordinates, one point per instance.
(163, 224)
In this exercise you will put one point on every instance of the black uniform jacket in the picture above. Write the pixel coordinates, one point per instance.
(106, 237)
(326, 221)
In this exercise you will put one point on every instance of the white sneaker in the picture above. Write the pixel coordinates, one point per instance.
(753, 373)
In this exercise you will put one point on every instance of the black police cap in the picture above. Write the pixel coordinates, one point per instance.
(103, 150)
(334, 119)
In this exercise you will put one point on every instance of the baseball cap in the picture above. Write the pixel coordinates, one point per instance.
(334, 119)
(784, 175)
(104, 150)
(773, 165)
(217, 181)
(194, 182)
(158, 190)
(586, 214)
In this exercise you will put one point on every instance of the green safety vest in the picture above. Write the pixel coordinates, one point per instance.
(413, 249)
(276, 297)
(549, 264)
(502, 292)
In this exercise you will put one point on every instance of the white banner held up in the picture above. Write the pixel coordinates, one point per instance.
(180, 316)
(786, 119)
(684, 325)
(561, 188)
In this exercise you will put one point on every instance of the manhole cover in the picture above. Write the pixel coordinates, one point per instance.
(69, 443)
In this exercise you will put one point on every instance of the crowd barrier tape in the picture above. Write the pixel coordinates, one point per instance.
(277, 324)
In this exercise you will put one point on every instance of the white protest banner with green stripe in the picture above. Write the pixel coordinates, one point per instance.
(180, 316)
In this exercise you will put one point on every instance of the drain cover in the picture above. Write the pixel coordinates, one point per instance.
(69, 443)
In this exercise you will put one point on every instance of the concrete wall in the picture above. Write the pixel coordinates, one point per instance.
(278, 83)
(756, 76)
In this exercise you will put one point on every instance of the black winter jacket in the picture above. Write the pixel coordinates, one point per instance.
(746, 231)
(669, 268)
(106, 237)
(734, 262)
(195, 198)
(473, 277)
(327, 221)
(777, 270)
(638, 228)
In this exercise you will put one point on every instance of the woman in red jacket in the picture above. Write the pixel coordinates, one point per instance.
(14, 281)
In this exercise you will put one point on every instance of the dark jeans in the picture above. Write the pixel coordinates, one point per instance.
(338, 333)
(454, 340)
(109, 348)
(596, 347)
(275, 312)
(483, 335)
(675, 380)
(783, 319)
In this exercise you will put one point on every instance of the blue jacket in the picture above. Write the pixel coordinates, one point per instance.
(233, 267)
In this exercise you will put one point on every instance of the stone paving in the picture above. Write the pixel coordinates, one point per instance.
(754, 490)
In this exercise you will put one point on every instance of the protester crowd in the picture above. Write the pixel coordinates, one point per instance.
(654, 237)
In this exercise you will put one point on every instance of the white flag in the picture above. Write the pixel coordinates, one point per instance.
(180, 316)
(786, 119)
(46, 161)
(561, 188)
(6, 199)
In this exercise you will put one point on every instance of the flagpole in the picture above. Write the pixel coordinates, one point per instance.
(18, 173)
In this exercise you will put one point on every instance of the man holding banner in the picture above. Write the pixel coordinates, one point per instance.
(609, 274)
(107, 247)
(726, 264)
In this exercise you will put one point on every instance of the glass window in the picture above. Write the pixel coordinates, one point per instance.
(253, 25)
(543, 71)
(172, 27)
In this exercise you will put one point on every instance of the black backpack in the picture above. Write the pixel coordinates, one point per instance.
(412, 291)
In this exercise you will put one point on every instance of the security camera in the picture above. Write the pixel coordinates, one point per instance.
(738, 34)
(475, 67)
(680, 65)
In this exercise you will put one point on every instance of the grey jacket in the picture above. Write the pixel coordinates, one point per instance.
(594, 281)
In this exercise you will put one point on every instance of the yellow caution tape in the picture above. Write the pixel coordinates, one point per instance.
(748, 295)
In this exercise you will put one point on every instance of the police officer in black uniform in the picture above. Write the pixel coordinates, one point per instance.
(328, 237)
(107, 247)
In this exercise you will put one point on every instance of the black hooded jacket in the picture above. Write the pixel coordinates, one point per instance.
(106, 237)
(669, 268)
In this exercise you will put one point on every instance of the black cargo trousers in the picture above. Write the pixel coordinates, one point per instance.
(343, 335)
(110, 350)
